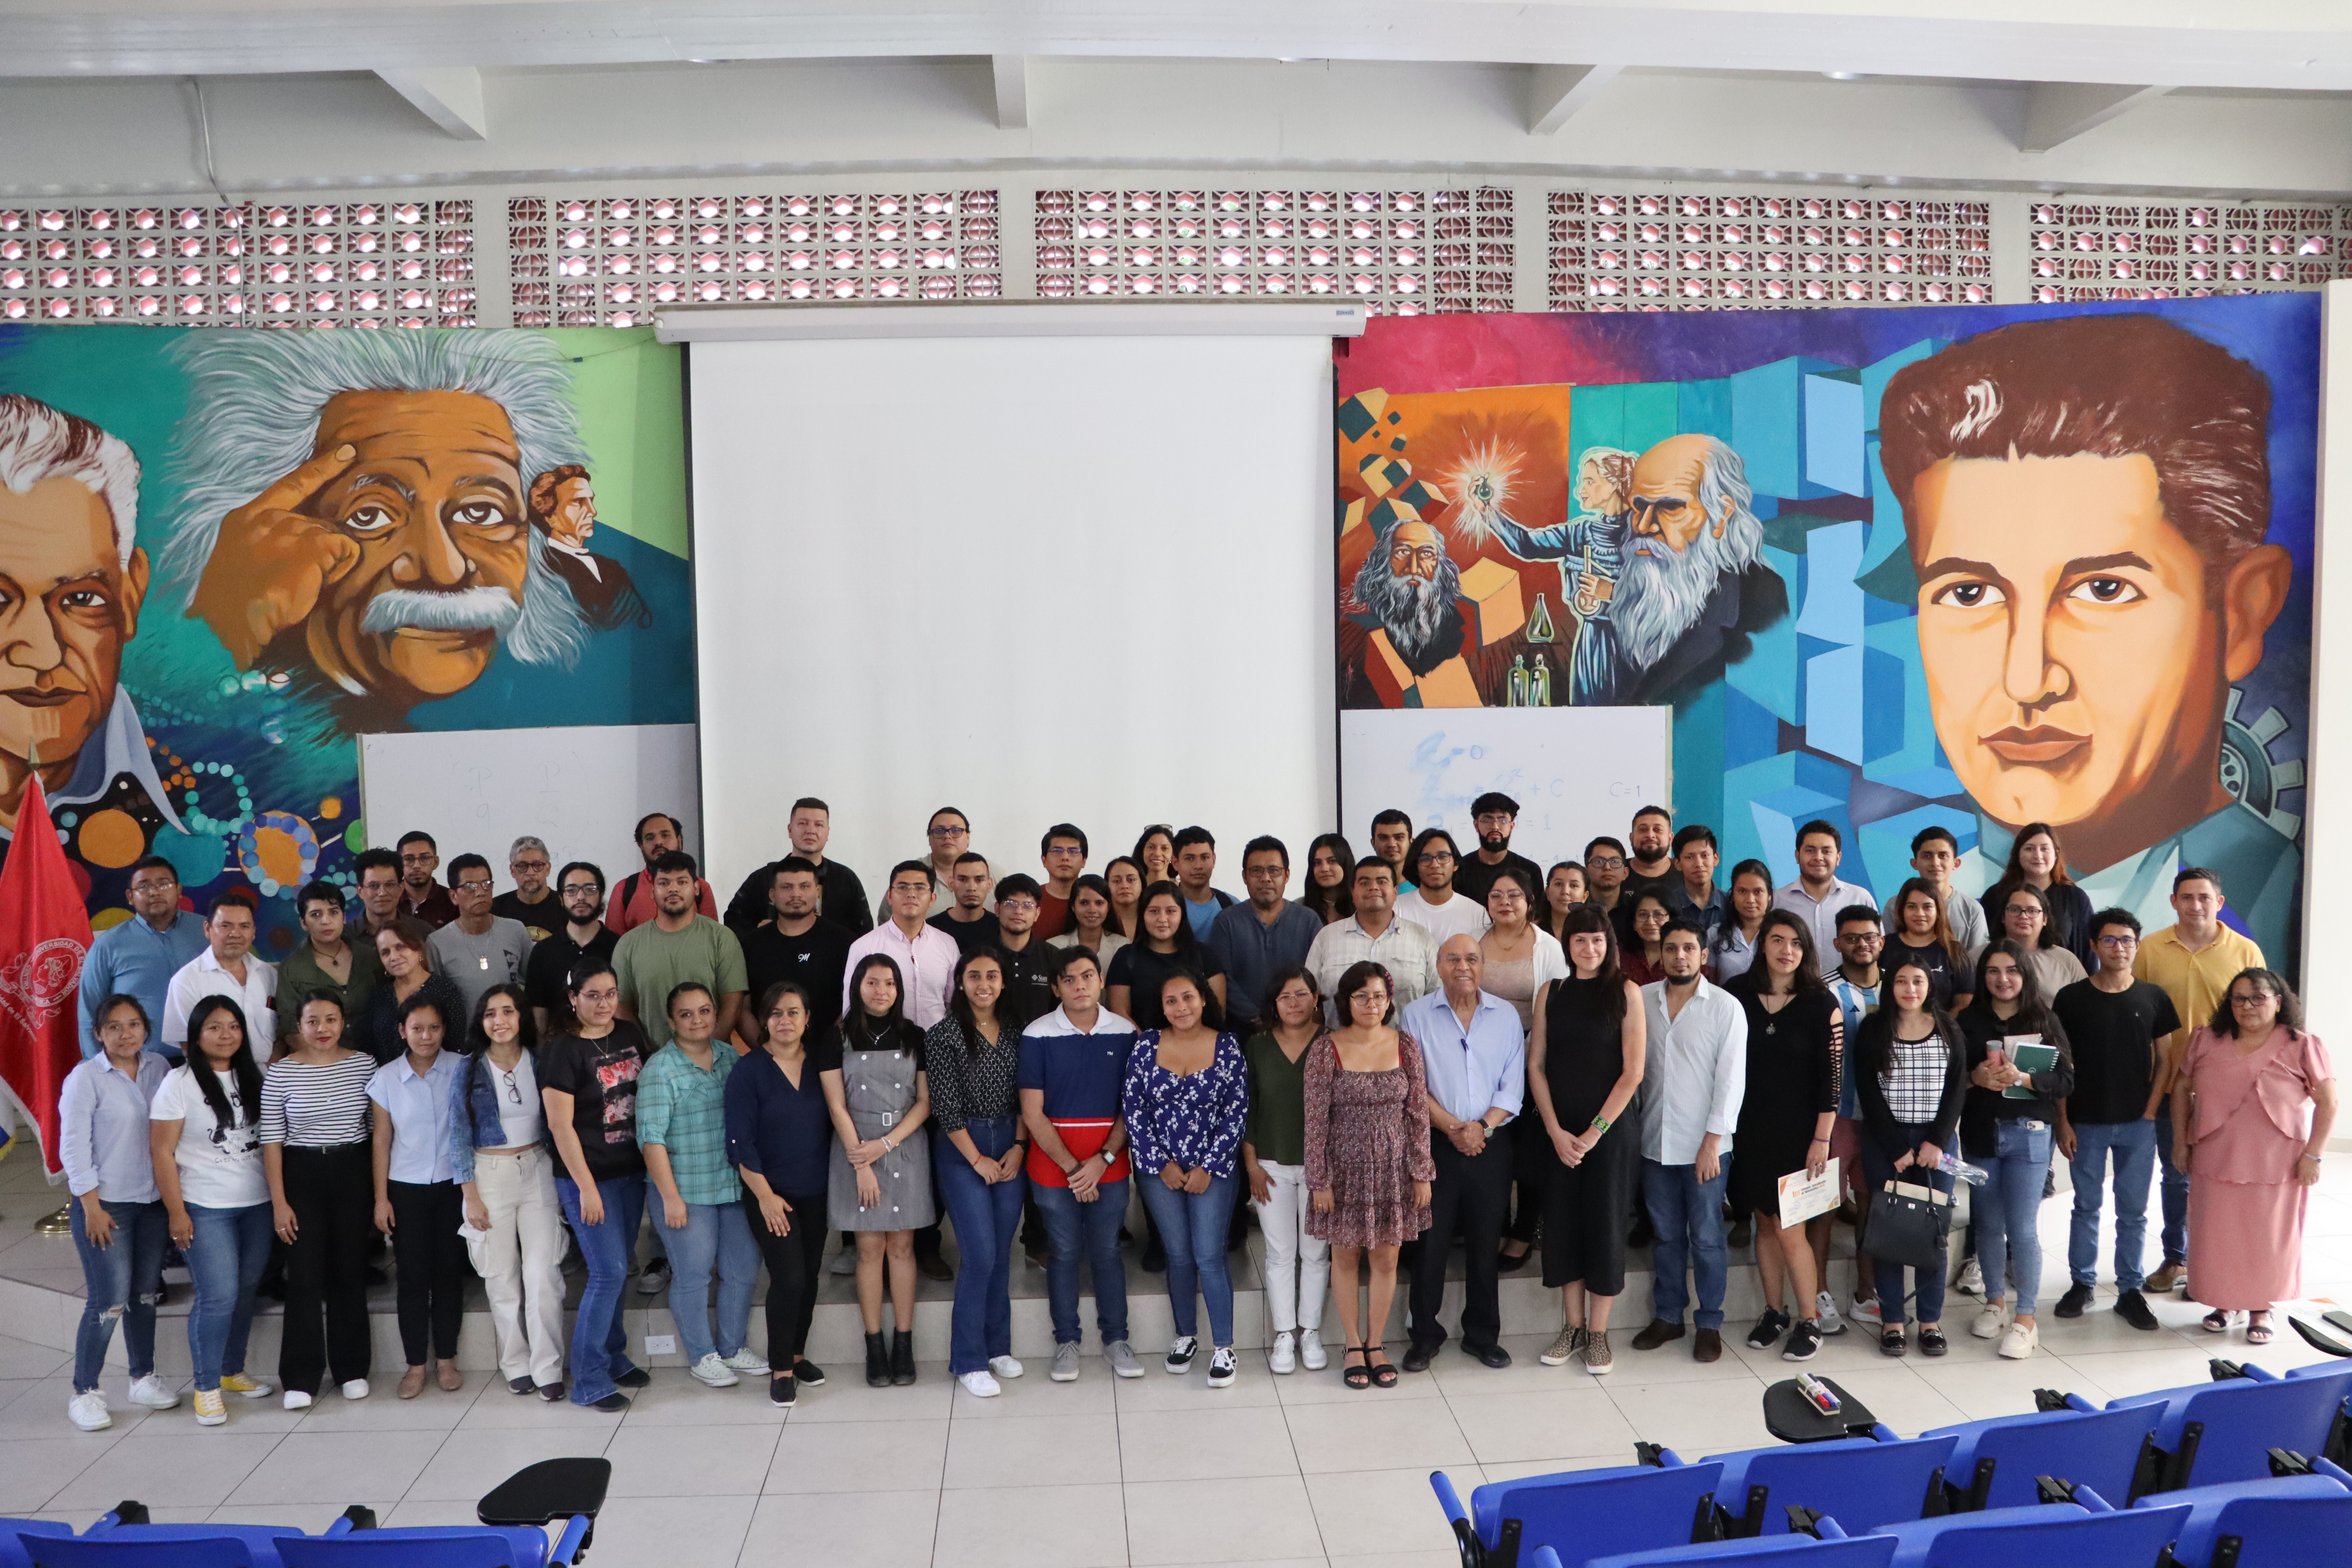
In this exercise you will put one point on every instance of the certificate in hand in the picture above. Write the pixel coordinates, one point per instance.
(1803, 1196)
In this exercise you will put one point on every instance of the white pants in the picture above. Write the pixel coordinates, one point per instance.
(1298, 1266)
(522, 1262)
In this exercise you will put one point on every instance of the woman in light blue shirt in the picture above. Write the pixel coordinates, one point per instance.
(417, 1202)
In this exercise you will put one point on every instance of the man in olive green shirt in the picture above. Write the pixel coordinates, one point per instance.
(312, 966)
(674, 947)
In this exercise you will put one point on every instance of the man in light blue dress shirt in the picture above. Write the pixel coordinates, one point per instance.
(1475, 1055)
(139, 957)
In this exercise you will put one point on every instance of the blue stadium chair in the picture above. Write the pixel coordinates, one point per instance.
(2084, 1533)
(2288, 1522)
(1833, 1550)
(1583, 1514)
(153, 1546)
(434, 1546)
(1994, 1462)
(1861, 1482)
(2337, 1446)
(2225, 1430)
(12, 1549)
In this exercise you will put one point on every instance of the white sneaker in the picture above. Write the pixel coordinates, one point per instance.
(1066, 1363)
(1311, 1355)
(979, 1384)
(714, 1372)
(356, 1389)
(1286, 1354)
(747, 1360)
(1828, 1322)
(1990, 1321)
(87, 1411)
(1005, 1366)
(1971, 1279)
(2020, 1341)
(1222, 1367)
(1865, 1311)
(296, 1400)
(1121, 1357)
(151, 1391)
(1180, 1354)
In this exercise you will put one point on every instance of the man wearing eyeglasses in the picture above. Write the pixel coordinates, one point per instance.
(478, 949)
(1064, 851)
(530, 900)
(420, 895)
(583, 934)
(1604, 885)
(1434, 906)
(946, 837)
(1494, 815)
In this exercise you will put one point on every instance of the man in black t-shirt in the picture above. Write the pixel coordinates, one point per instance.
(969, 919)
(1650, 866)
(1028, 961)
(1494, 815)
(2112, 1022)
(841, 897)
(796, 945)
(546, 973)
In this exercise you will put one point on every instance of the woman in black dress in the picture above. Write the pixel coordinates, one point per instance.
(1585, 1056)
(1796, 1047)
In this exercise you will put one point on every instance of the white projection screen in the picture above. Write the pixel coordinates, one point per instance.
(1038, 578)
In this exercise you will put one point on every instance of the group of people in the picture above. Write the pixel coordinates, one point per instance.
(1425, 1044)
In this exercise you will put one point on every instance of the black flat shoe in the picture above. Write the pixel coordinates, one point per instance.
(1890, 1340)
(1495, 1356)
(520, 1385)
(551, 1392)
(1932, 1341)
(780, 1390)
(807, 1373)
(1417, 1358)
(1507, 1261)
(611, 1404)
(635, 1377)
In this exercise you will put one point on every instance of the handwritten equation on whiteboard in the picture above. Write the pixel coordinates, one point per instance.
(1576, 772)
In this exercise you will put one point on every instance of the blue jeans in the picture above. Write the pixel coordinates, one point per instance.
(2008, 1210)
(1193, 1228)
(1687, 1214)
(985, 1215)
(225, 1258)
(599, 1341)
(2134, 1144)
(1072, 1229)
(2176, 1187)
(1877, 1169)
(715, 1234)
(124, 1279)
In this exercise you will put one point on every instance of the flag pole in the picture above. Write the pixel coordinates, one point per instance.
(61, 1222)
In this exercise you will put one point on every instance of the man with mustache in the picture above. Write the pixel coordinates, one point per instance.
(1694, 586)
(2087, 500)
(1410, 594)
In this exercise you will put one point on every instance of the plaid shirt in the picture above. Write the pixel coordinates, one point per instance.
(1407, 950)
(684, 1109)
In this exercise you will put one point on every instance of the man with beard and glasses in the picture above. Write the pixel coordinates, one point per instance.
(1412, 639)
(1496, 816)
(1695, 587)
(1591, 550)
(547, 978)
(377, 873)
(420, 896)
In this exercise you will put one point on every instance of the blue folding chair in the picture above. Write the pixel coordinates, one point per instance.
(1583, 1514)
(1834, 1549)
(2288, 1521)
(434, 1546)
(2339, 1443)
(12, 1549)
(1994, 1462)
(135, 1547)
(2225, 1430)
(1861, 1482)
(2084, 1533)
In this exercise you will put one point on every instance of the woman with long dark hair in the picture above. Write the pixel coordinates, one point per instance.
(1331, 867)
(1092, 925)
(1910, 1082)
(1919, 928)
(1155, 853)
(1586, 1053)
(503, 1162)
(779, 1138)
(1643, 955)
(2037, 859)
(974, 1058)
(880, 1187)
(1124, 878)
(316, 1145)
(1566, 885)
(204, 1143)
(1167, 946)
(2023, 916)
(2007, 1127)
(1796, 1048)
(1297, 1269)
(1733, 952)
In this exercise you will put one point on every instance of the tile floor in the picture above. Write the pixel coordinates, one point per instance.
(1158, 1471)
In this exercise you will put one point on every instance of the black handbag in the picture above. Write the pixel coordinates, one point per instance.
(1908, 1225)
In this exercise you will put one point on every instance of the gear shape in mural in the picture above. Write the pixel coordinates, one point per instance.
(2253, 778)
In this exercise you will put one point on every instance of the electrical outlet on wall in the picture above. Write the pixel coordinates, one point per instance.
(661, 1344)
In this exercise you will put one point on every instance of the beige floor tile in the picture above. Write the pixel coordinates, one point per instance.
(1303, 1387)
(1027, 1527)
(383, 1410)
(2125, 1373)
(502, 1412)
(1979, 1388)
(869, 1530)
(1520, 1469)
(1684, 1415)
(1381, 1510)
(35, 1469)
(412, 1511)
(688, 1461)
(337, 1466)
(1400, 1559)
(1035, 1393)
(311, 1518)
(1157, 1390)
(672, 1401)
(470, 1463)
(185, 1469)
(845, 1398)
(1205, 1444)
(1066, 1450)
(1259, 1518)
(22, 1359)
(672, 1532)
(1370, 1434)
(1562, 1424)
(833, 1457)
(41, 1413)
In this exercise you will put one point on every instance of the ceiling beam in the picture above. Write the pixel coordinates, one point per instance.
(2058, 111)
(449, 96)
(1012, 72)
(1557, 94)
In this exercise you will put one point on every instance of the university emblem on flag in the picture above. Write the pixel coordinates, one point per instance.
(42, 982)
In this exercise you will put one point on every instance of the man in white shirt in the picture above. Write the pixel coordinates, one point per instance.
(1695, 1077)
(226, 968)
(1433, 905)
(925, 954)
(1817, 895)
(1374, 932)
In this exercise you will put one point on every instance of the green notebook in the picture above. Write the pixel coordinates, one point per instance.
(2031, 1055)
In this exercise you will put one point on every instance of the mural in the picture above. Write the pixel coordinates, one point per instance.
(227, 555)
(1981, 566)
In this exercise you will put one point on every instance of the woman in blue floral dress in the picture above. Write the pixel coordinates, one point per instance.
(1186, 1103)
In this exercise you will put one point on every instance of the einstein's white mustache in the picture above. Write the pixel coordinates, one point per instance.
(458, 610)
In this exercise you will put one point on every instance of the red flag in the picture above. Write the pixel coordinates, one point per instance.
(43, 937)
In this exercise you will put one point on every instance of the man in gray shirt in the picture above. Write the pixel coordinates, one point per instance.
(478, 949)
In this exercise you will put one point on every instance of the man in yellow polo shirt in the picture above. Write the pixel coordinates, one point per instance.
(2193, 960)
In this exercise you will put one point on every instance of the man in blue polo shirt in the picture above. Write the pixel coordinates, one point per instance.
(139, 957)
(1073, 1073)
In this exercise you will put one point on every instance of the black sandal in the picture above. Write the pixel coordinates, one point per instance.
(1385, 1374)
(1356, 1378)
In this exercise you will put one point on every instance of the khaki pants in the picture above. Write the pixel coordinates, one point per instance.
(522, 1262)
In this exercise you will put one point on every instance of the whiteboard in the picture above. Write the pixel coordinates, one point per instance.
(1577, 772)
(581, 789)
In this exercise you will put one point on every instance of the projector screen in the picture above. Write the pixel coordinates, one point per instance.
(1039, 579)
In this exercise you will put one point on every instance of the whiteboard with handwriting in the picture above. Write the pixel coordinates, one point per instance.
(581, 789)
(1577, 772)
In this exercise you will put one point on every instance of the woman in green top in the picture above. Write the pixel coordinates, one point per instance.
(1274, 1156)
(347, 971)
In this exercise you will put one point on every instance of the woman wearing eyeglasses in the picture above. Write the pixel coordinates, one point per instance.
(2024, 916)
(947, 836)
(504, 1163)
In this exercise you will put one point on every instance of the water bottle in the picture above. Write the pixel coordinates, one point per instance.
(1974, 1175)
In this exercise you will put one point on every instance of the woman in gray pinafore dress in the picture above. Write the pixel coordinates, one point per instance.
(881, 1184)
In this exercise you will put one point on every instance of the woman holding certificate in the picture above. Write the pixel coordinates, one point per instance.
(2019, 1067)
(1910, 1084)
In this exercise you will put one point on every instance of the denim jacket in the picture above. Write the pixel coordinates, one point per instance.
(475, 1124)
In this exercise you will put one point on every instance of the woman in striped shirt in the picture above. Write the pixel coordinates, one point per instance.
(315, 1147)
